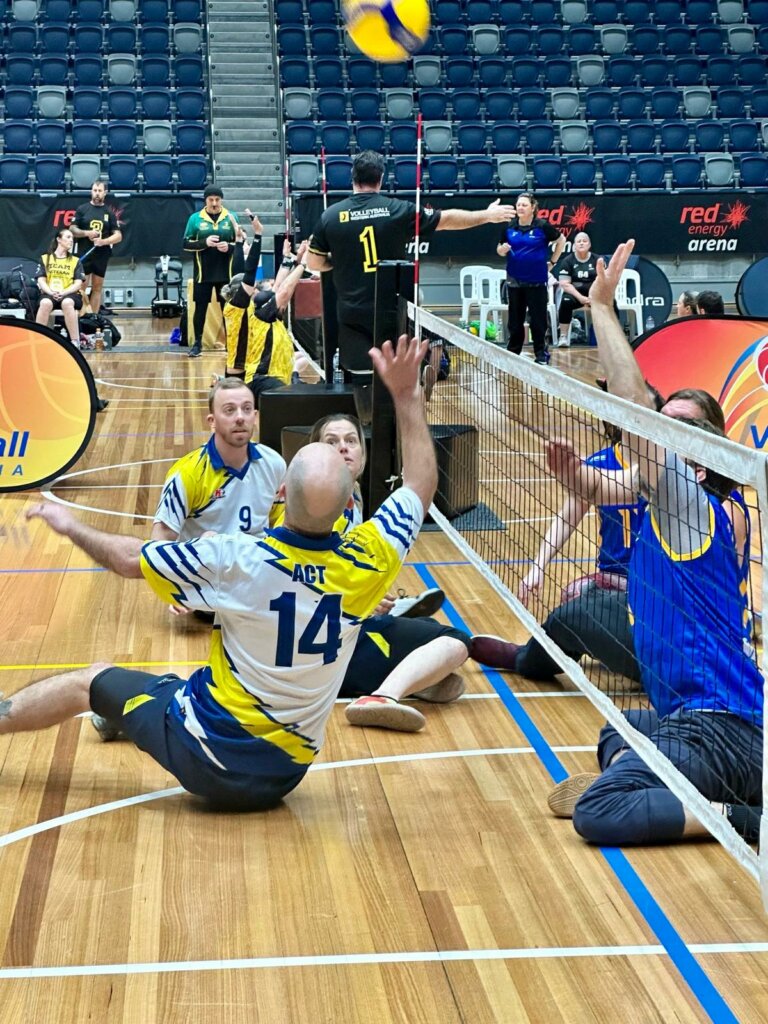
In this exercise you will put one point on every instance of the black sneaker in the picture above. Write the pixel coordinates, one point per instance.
(195, 351)
(101, 404)
(107, 311)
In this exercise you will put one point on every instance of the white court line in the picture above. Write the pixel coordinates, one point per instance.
(355, 959)
(115, 805)
(148, 387)
(49, 494)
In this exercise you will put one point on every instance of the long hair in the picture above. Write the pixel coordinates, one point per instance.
(54, 243)
(533, 200)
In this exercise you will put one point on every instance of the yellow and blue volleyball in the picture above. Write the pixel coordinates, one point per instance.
(387, 31)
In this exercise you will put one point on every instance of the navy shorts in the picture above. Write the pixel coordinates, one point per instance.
(139, 702)
(397, 637)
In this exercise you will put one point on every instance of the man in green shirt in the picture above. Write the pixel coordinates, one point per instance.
(210, 234)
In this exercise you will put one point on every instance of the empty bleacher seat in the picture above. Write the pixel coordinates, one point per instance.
(301, 137)
(580, 172)
(365, 104)
(50, 171)
(443, 173)
(721, 71)
(121, 69)
(54, 69)
(338, 173)
(499, 104)
(186, 10)
(122, 10)
(471, 138)
(123, 172)
(641, 136)
(192, 172)
(731, 102)
(122, 137)
(297, 104)
(21, 38)
(689, 70)
(51, 101)
(121, 38)
(697, 101)
(402, 138)
(614, 39)
(631, 103)
(153, 11)
(649, 172)
(678, 40)
(331, 105)
(547, 172)
(156, 104)
(485, 39)
(361, 72)
(84, 170)
(743, 136)
(557, 72)
(87, 136)
(329, 73)
(438, 137)
(370, 135)
(574, 137)
(654, 71)
(590, 71)
(617, 172)
(478, 172)
(404, 173)
(187, 38)
(157, 172)
(607, 137)
(675, 136)
(335, 137)
(565, 103)
(54, 37)
(506, 137)
(122, 102)
(467, 104)
(686, 171)
(719, 170)
(155, 39)
(598, 104)
(87, 38)
(86, 101)
(24, 10)
(187, 70)
(454, 39)
(709, 41)
(665, 103)
(19, 101)
(294, 71)
(525, 72)
(539, 137)
(741, 38)
(14, 172)
(51, 136)
(17, 136)
(622, 72)
(157, 136)
(512, 172)
(753, 171)
(531, 104)
(460, 71)
(427, 71)
(398, 104)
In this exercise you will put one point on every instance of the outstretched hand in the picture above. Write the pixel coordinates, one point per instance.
(399, 367)
(605, 284)
(563, 462)
(59, 518)
(498, 214)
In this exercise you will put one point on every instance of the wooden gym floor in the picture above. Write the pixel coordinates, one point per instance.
(410, 878)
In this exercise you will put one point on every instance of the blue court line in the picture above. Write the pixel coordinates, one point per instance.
(691, 971)
(8, 572)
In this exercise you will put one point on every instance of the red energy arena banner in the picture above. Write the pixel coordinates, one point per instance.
(726, 356)
(47, 405)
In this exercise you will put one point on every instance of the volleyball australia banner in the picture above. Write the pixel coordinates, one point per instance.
(47, 405)
(726, 356)
(151, 225)
(704, 223)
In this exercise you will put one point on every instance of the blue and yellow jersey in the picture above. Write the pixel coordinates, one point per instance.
(688, 616)
(619, 524)
(270, 350)
(202, 493)
(289, 610)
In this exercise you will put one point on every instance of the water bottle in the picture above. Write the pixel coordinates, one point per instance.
(650, 323)
(107, 338)
(338, 373)
(98, 340)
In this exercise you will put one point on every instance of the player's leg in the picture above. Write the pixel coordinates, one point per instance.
(201, 296)
(69, 309)
(97, 288)
(516, 319)
(48, 701)
(44, 311)
(565, 318)
(537, 316)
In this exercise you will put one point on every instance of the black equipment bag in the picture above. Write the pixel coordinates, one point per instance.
(19, 289)
(91, 322)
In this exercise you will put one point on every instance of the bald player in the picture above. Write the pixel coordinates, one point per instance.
(243, 730)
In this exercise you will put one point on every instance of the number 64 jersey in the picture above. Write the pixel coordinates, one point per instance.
(289, 611)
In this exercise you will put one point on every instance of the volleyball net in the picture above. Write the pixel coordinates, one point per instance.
(500, 501)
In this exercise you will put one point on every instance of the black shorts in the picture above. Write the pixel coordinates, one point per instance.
(261, 383)
(97, 262)
(77, 298)
(139, 702)
(373, 660)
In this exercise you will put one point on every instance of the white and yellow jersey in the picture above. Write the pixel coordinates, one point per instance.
(289, 610)
(202, 493)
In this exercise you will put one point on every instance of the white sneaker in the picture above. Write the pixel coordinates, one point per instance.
(443, 692)
(426, 603)
(562, 342)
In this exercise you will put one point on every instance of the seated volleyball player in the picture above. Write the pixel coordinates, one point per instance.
(687, 598)
(243, 731)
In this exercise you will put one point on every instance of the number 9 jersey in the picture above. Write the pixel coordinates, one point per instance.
(289, 610)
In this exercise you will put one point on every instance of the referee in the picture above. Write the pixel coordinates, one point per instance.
(353, 236)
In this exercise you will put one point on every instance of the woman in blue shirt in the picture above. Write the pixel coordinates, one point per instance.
(525, 242)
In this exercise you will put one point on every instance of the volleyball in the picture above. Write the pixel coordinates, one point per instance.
(387, 31)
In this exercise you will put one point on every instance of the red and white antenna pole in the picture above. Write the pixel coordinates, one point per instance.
(416, 260)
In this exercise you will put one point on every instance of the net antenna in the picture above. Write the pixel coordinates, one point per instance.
(417, 232)
(323, 178)
(516, 407)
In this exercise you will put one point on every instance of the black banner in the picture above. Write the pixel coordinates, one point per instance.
(152, 225)
(697, 224)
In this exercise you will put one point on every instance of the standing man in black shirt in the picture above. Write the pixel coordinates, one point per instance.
(96, 228)
(353, 236)
(576, 274)
(211, 235)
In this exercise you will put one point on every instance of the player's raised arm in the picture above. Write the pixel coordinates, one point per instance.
(460, 220)
(114, 552)
(399, 369)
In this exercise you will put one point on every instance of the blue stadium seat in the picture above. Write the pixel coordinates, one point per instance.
(289, 12)
(122, 102)
(631, 104)
(753, 171)
(294, 71)
(156, 71)
(598, 104)
(641, 137)
(402, 138)
(399, 104)
(291, 41)
(480, 12)
(156, 104)
(190, 137)
(54, 37)
(393, 75)
(721, 71)
(539, 137)
(654, 72)
(153, 39)
(605, 12)
(14, 172)
(454, 39)
(557, 72)
(622, 72)
(187, 38)
(491, 72)
(649, 172)
(365, 104)
(550, 40)
(433, 104)
(689, 70)
(607, 137)
(675, 136)
(86, 101)
(617, 172)
(471, 138)
(646, 39)
(709, 136)
(525, 72)
(192, 172)
(187, 70)
(668, 12)
(467, 104)
(322, 12)
(757, 12)
(157, 172)
(531, 104)
(517, 41)
(361, 72)
(301, 137)
(460, 71)
(370, 135)
(336, 137)
(582, 40)
(153, 12)
(123, 172)
(499, 104)
(544, 12)
(57, 10)
(324, 41)
(338, 173)
(17, 136)
(686, 171)
(331, 104)
(51, 136)
(479, 172)
(758, 102)
(731, 101)
(22, 38)
(709, 41)
(511, 12)
(580, 172)
(54, 70)
(699, 12)
(743, 136)
(20, 69)
(751, 69)
(448, 12)
(122, 137)
(87, 38)
(88, 69)
(88, 10)
(52, 101)
(443, 173)
(665, 103)
(678, 40)
(637, 12)
(50, 172)
(19, 101)
(186, 10)
(404, 173)
(121, 38)
(547, 172)
(506, 137)
(87, 136)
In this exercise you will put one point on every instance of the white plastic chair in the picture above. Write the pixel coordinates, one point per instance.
(469, 289)
(629, 296)
(489, 287)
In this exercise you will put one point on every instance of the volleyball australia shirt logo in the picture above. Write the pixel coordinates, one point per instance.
(343, 216)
